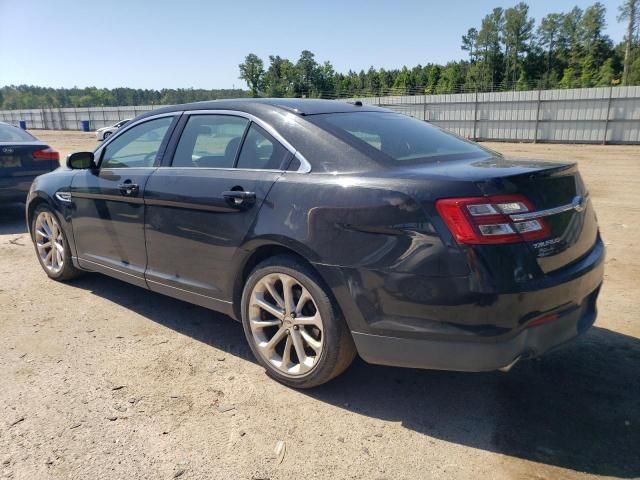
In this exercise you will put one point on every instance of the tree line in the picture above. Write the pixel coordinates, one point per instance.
(506, 51)
(14, 97)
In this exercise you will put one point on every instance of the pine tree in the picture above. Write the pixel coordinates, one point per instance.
(629, 11)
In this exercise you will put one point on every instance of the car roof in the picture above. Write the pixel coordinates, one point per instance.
(299, 106)
(313, 142)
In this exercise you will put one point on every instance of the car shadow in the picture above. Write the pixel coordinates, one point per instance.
(576, 408)
(12, 220)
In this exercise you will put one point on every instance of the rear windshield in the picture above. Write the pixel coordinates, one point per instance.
(9, 133)
(399, 138)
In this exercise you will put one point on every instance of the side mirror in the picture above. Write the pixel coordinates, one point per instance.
(81, 161)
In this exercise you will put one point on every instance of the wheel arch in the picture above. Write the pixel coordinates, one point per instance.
(39, 199)
(259, 252)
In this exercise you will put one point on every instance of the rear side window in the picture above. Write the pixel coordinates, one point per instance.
(210, 141)
(261, 151)
(401, 139)
(9, 133)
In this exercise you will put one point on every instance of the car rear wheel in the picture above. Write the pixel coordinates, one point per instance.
(294, 329)
(51, 245)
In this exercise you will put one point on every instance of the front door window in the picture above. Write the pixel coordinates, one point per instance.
(138, 147)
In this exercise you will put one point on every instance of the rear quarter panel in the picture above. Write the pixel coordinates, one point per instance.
(353, 222)
(354, 229)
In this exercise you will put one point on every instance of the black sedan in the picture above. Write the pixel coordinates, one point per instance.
(331, 229)
(22, 158)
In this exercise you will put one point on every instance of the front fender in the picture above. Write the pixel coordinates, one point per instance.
(43, 191)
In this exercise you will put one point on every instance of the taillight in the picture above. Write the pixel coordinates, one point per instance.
(486, 220)
(46, 154)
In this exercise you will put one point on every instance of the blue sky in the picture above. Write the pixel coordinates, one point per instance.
(186, 43)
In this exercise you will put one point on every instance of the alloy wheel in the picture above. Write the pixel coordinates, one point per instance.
(286, 324)
(49, 242)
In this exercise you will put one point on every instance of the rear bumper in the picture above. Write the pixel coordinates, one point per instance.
(15, 189)
(445, 323)
(477, 356)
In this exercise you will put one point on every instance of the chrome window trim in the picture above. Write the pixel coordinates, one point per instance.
(305, 166)
(126, 128)
(128, 168)
(578, 203)
(228, 169)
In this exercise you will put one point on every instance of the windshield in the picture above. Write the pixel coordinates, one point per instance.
(401, 139)
(9, 133)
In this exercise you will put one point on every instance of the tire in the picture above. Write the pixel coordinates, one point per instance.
(58, 267)
(327, 346)
(105, 135)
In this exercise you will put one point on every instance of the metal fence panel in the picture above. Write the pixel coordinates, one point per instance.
(70, 118)
(586, 115)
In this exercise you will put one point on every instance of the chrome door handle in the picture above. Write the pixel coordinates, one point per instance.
(239, 197)
(129, 189)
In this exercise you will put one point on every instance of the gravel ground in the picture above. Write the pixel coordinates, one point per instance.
(100, 379)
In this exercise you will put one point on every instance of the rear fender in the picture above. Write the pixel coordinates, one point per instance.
(356, 222)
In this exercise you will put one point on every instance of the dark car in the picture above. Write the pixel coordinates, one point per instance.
(331, 228)
(22, 158)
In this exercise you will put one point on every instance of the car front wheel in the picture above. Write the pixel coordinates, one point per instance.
(51, 245)
(294, 329)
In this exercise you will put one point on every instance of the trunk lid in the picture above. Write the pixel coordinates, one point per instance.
(562, 201)
(555, 190)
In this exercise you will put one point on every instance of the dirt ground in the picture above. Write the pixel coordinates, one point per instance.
(100, 379)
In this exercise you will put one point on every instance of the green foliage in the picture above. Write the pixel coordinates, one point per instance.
(470, 43)
(14, 97)
(606, 75)
(629, 12)
(505, 52)
(517, 34)
(279, 80)
(569, 79)
(252, 71)
(634, 72)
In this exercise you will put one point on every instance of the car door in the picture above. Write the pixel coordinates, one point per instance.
(108, 213)
(201, 207)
